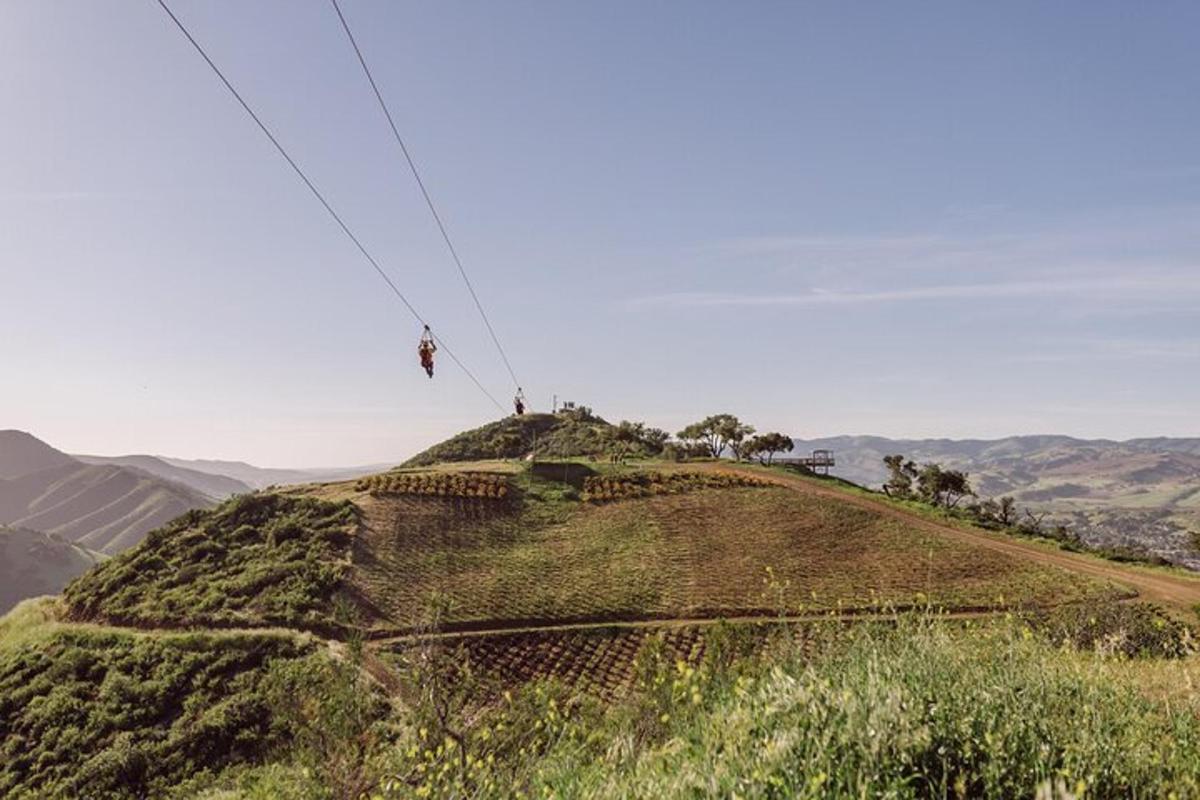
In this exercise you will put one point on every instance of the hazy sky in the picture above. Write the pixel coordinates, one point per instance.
(912, 219)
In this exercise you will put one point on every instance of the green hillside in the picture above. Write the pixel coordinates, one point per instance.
(106, 713)
(550, 556)
(256, 560)
(581, 628)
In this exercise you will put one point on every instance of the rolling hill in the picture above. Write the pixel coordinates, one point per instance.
(34, 564)
(1142, 493)
(262, 477)
(507, 546)
(475, 626)
(570, 433)
(218, 487)
(107, 508)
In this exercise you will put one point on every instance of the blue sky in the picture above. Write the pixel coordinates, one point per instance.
(917, 219)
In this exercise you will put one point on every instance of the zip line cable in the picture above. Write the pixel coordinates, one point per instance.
(320, 197)
(424, 192)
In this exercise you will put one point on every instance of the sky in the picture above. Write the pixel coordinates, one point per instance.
(914, 219)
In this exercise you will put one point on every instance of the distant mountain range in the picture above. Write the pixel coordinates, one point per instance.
(61, 512)
(104, 507)
(108, 503)
(217, 487)
(262, 477)
(1141, 493)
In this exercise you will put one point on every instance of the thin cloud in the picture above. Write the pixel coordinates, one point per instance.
(1138, 350)
(59, 195)
(1174, 285)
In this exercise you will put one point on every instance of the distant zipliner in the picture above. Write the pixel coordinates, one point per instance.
(519, 402)
(425, 350)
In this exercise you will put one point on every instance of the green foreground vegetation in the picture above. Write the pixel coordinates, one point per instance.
(103, 713)
(925, 709)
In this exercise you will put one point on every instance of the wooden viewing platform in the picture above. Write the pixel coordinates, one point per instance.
(819, 460)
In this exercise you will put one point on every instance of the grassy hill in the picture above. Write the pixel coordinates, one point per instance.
(34, 564)
(672, 543)
(257, 560)
(549, 556)
(562, 435)
(598, 629)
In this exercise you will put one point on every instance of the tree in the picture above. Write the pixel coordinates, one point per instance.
(900, 476)
(1032, 524)
(627, 438)
(655, 439)
(738, 435)
(717, 433)
(943, 487)
(1002, 512)
(767, 444)
(624, 438)
(1006, 511)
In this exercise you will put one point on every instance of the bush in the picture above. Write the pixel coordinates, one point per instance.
(1129, 629)
(262, 559)
(485, 485)
(118, 715)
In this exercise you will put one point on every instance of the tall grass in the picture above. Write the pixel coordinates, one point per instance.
(925, 709)
(922, 711)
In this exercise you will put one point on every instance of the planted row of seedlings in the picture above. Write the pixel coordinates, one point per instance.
(599, 489)
(437, 484)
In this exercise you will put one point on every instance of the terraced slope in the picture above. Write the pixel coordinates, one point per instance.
(542, 581)
(715, 552)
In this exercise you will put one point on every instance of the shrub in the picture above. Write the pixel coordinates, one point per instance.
(260, 559)
(1130, 629)
(485, 485)
(118, 715)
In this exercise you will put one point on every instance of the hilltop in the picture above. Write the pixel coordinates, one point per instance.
(22, 453)
(570, 433)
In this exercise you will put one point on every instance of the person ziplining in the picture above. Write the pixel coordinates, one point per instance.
(427, 346)
(519, 402)
(425, 350)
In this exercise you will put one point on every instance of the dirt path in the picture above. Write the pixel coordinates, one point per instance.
(680, 622)
(1177, 591)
